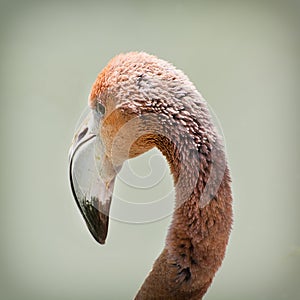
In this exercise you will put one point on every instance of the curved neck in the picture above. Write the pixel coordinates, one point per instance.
(198, 235)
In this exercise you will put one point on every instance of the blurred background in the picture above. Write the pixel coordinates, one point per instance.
(243, 56)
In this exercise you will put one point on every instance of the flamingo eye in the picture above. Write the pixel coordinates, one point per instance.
(100, 108)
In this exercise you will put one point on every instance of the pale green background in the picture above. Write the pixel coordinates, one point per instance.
(244, 58)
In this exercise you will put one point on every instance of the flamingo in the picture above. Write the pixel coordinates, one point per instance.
(138, 102)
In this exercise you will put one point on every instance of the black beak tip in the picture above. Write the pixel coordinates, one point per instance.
(97, 223)
(99, 239)
(99, 236)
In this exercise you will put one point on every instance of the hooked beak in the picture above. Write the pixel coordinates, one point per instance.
(92, 176)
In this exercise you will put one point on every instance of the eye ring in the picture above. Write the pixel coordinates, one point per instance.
(100, 108)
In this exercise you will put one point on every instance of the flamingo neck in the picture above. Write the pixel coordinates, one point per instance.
(198, 235)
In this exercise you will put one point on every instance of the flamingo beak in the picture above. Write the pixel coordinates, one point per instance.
(92, 176)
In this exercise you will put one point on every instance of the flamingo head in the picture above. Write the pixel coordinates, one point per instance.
(119, 126)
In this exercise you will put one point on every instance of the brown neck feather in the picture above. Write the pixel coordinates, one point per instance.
(198, 235)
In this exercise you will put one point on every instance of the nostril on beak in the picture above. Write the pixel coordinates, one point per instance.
(82, 134)
(76, 141)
